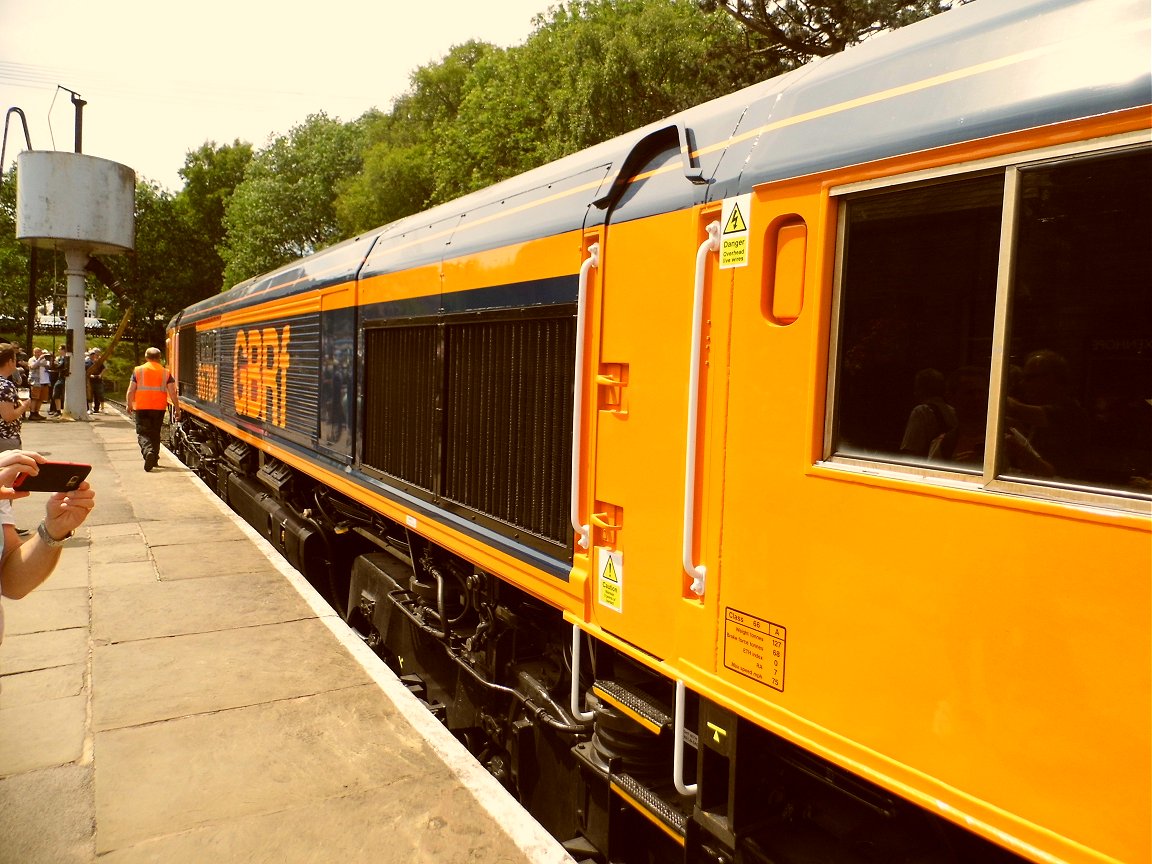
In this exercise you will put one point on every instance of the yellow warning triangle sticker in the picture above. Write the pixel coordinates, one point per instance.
(735, 223)
(610, 571)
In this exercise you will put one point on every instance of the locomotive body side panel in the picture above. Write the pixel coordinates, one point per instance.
(947, 619)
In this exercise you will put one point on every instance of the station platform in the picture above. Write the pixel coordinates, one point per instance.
(176, 692)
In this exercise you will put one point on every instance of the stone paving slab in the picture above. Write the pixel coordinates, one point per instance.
(211, 559)
(71, 571)
(42, 685)
(66, 802)
(176, 506)
(158, 679)
(126, 612)
(195, 531)
(100, 534)
(118, 552)
(125, 573)
(42, 734)
(109, 510)
(43, 650)
(55, 608)
(163, 778)
(357, 827)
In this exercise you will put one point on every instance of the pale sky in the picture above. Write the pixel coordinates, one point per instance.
(160, 79)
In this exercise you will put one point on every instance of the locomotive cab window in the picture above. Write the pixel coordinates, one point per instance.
(1048, 266)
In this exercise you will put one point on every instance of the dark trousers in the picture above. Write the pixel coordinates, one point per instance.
(148, 423)
(97, 387)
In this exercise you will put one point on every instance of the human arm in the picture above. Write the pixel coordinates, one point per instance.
(11, 413)
(1022, 455)
(174, 398)
(130, 396)
(26, 565)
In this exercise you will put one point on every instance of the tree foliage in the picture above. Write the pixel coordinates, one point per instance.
(211, 174)
(397, 177)
(796, 31)
(163, 277)
(13, 259)
(285, 206)
(592, 70)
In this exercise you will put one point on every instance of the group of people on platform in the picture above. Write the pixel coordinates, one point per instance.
(45, 375)
(150, 391)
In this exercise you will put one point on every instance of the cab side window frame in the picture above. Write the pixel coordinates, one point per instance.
(865, 272)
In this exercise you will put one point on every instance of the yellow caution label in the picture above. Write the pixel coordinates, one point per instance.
(610, 578)
(735, 223)
(735, 219)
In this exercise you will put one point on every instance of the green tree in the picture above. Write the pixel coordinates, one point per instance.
(161, 281)
(397, 177)
(591, 70)
(285, 206)
(15, 260)
(796, 31)
(160, 277)
(211, 174)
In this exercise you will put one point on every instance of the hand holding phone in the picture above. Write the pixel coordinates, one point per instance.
(53, 477)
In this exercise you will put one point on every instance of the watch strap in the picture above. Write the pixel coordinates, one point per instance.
(48, 539)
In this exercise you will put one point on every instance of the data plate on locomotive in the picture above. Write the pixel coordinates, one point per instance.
(755, 648)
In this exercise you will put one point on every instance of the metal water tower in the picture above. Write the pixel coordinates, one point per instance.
(84, 206)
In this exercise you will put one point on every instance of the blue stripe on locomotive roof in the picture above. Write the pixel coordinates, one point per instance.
(980, 69)
(400, 310)
(553, 291)
(535, 292)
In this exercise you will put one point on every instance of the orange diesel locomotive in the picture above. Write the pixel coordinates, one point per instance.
(769, 485)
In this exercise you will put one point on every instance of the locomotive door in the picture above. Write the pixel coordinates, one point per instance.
(762, 577)
(638, 402)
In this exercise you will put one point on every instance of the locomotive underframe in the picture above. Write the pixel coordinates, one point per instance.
(493, 664)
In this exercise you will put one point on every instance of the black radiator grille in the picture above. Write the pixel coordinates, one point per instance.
(507, 421)
(477, 410)
(399, 402)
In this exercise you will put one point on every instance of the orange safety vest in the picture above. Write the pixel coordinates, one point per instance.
(151, 387)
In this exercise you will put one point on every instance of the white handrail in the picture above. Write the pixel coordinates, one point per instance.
(593, 260)
(574, 695)
(695, 571)
(678, 744)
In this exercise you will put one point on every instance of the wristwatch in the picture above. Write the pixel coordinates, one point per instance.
(48, 539)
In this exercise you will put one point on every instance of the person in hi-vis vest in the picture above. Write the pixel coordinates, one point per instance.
(151, 389)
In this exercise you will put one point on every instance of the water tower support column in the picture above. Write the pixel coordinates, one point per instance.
(75, 388)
